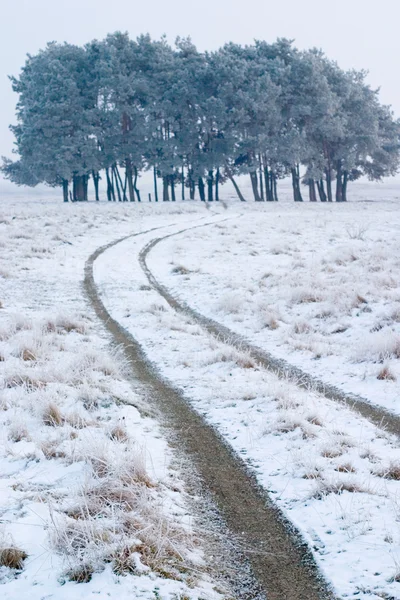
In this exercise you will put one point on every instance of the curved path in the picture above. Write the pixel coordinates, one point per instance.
(375, 414)
(281, 561)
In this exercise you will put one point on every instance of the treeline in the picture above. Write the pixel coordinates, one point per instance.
(118, 107)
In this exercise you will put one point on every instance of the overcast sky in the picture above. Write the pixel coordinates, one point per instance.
(356, 33)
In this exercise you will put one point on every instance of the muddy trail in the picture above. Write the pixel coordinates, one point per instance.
(375, 414)
(281, 561)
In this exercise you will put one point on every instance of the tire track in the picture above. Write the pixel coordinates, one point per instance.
(279, 557)
(377, 415)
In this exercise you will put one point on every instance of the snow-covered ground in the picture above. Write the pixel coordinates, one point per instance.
(88, 486)
(316, 285)
(333, 473)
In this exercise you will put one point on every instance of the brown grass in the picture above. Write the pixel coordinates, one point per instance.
(392, 472)
(28, 355)
(325, 488)
(28, 382)
(332, 452)
(385, 374)
(122, 562)
(12, 557)
(119, 433)
(345, 468)
(52, 415)
(80, 574)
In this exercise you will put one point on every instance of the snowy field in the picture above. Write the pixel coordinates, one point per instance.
(315, 284)
(89, 489)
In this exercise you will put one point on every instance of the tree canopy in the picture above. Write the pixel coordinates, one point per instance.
(117, 107)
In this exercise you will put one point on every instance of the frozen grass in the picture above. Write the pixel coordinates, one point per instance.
(321, 463)
(324, 295)
(114, 513)
(11, 557)
(75, 469)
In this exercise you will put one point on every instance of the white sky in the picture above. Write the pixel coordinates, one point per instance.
(356, 33)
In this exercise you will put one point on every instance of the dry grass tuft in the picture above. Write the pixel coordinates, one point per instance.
(301, 327)
(345, 468)
(28, 355)
(50, 450)
(392, 472)
(17, 433)
(385, 374)
(332, 452)
(359, 301)
(324, 488)
(180, 270)
(80, 574)
(29, 383)
(123, 561)
(12, 557)
(119, 433)
(65, 324)
(52, 416)
(305, 296)
(313, 474)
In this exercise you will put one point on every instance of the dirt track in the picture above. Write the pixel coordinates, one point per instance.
(281, 561)
(375, 414)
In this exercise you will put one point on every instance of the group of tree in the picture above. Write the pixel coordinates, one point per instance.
(115, 108)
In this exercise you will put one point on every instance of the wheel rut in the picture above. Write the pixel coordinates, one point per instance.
(375, 414)
(280, 559)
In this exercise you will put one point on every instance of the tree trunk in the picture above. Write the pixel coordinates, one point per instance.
(172, 180)
(129, 177)
(261, 178)
(328, 173)
(312, 191)
(268, 184)
(65, 189)
(210, 182)
(165, 189)
(321, 190)
(109, 186)
(155, 184)
(122, 187)
(96, 178)
(296, 184)
(344, 186)
(78, 187)
(115, 180)
(254, 185)
(274, 187)
(339, 185)
(201, 190)
(135, 187)
(217, 185)
(183, 182)
(235, 185)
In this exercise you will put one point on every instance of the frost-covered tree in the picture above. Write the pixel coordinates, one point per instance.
(121, 106)
(55, 130)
